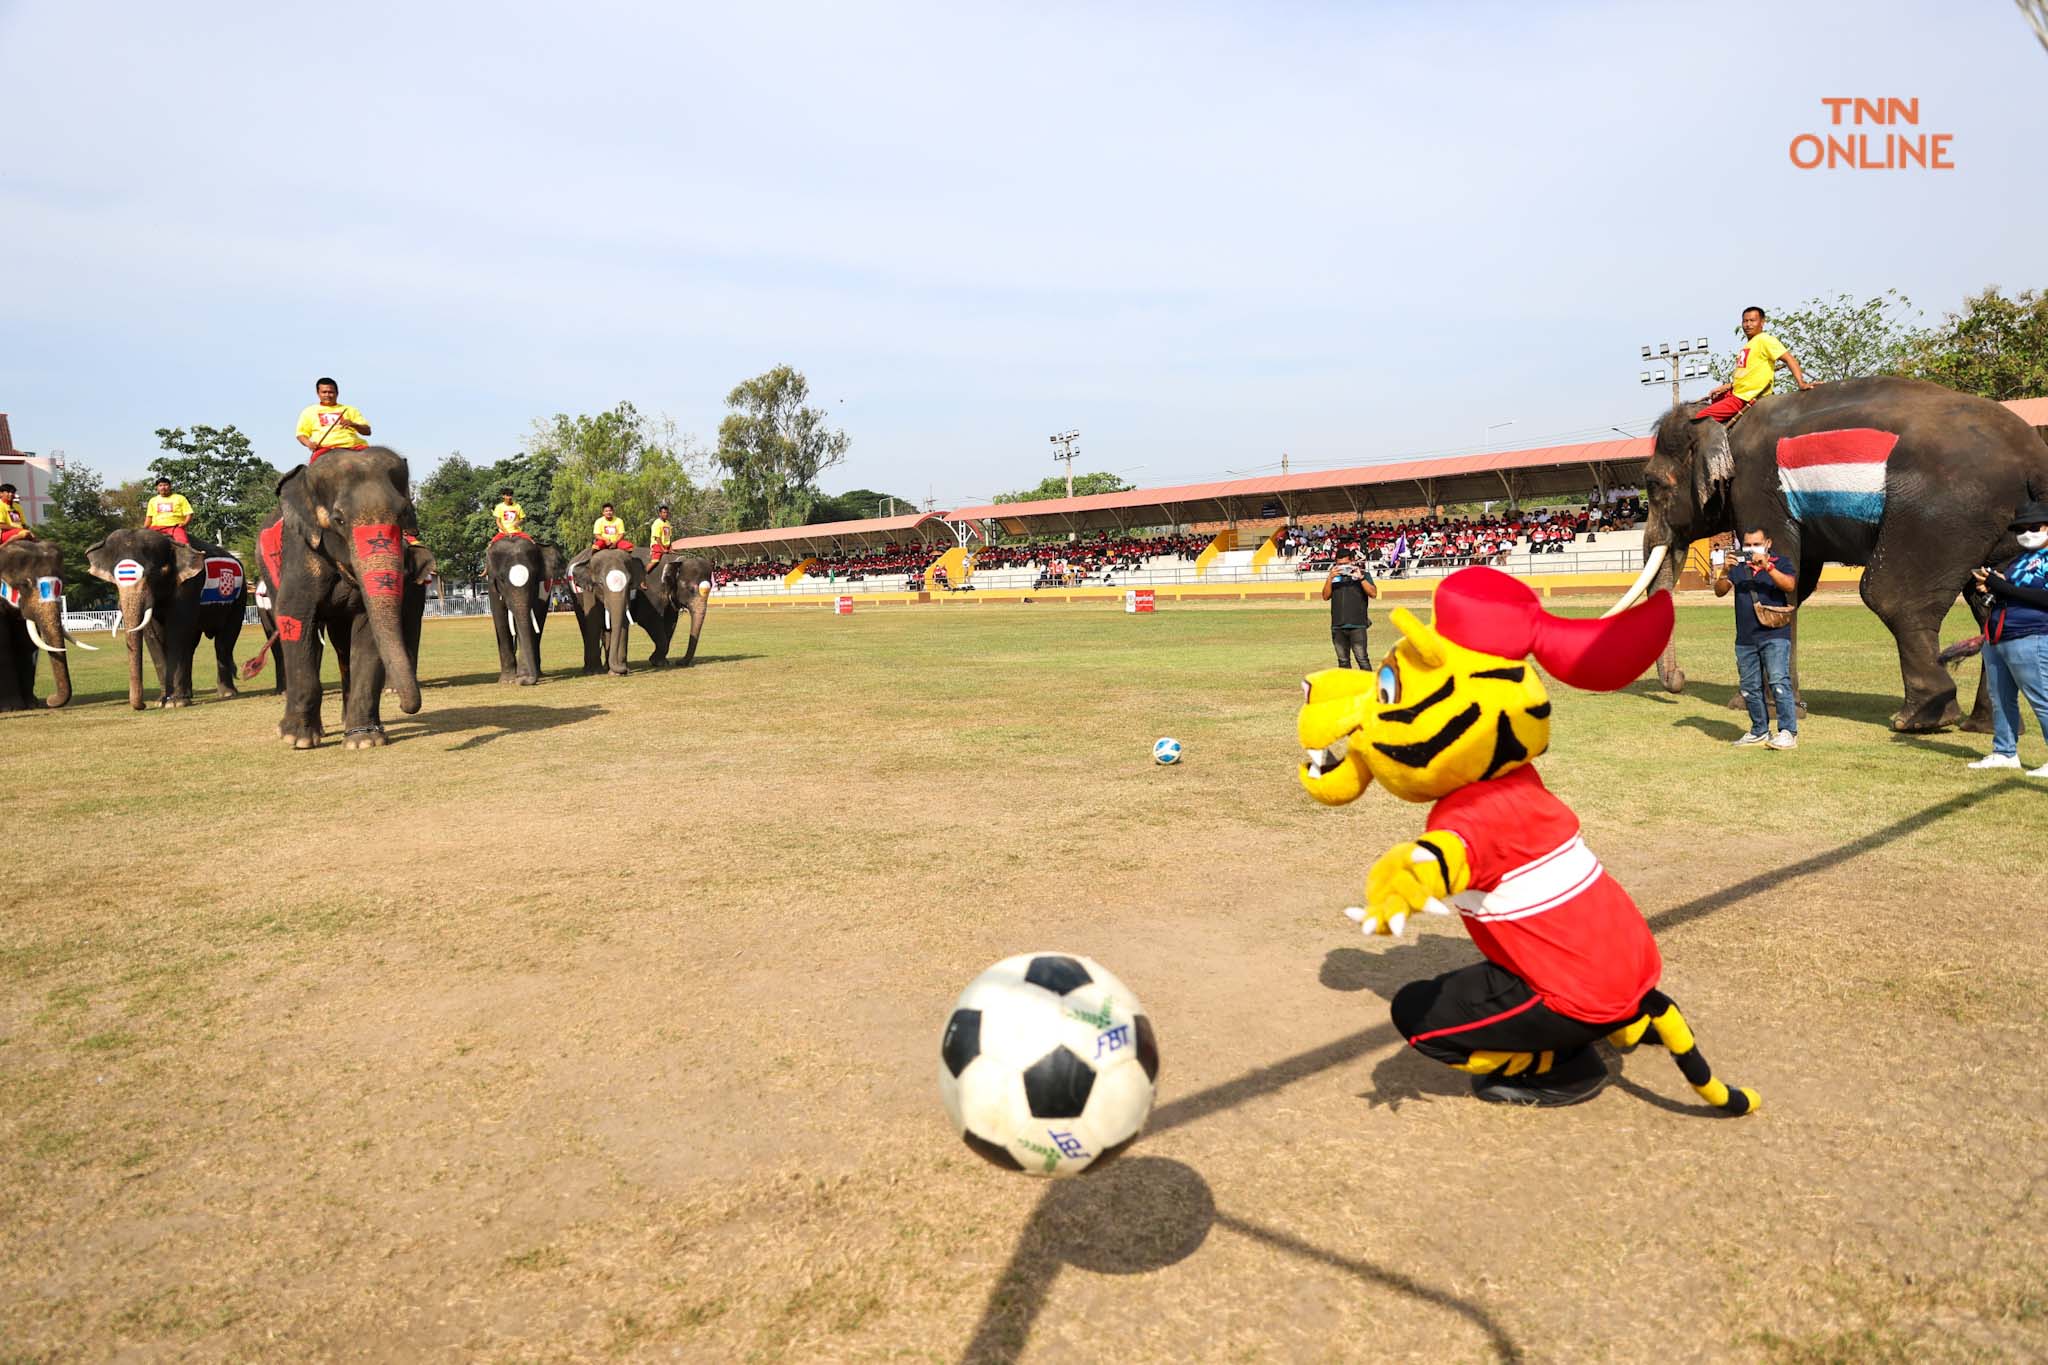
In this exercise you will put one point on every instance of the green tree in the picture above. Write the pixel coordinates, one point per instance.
(447, 502)
(773, 447)
(231, 490)
(859, 504)
(78, 517)
(622, 457)
(1997, 347)
(125, 500)
(1085, 485)
(1839, 338)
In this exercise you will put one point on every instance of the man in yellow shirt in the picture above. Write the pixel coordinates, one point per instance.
(1755, 370)
(13, 525)
(167, 512)
(659, 536)
(330, 424)
(608, 532)
(509, 515)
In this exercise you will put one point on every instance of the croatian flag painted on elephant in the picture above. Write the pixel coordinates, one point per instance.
(1837, 474)
(223, 583)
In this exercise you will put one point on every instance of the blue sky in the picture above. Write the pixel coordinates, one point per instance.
(1204, 235)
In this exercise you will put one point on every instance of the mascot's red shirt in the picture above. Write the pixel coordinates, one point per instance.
(1540, 904)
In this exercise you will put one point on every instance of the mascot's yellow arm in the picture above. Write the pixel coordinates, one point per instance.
(1421, 874)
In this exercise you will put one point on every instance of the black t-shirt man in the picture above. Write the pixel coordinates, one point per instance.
(1346, 589)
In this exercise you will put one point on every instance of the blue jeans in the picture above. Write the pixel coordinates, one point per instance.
(2011, 668)
(1768, 664)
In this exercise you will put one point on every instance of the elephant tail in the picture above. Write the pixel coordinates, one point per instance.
(1660, 1016)
(1952, 656)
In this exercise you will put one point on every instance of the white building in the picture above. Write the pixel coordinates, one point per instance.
(29, 473)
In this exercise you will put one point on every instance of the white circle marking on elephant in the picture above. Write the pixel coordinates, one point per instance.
(616, 580)
(517, 575)
(128, 571)
(705, 586)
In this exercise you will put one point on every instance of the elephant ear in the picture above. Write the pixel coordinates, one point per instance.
(552, 565)
(296, 500)
(191, 561)
(99, 562)
(579, 575)
(420, 563)
(1713, 461)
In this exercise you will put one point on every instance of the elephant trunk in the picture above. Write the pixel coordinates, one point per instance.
(380, 563)
(135, 617)
(525, 635)
(45, 622)
(618, 620)
(700, 602)
(1660, 543)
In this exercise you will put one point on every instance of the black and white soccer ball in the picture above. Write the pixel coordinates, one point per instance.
(1047, 1065)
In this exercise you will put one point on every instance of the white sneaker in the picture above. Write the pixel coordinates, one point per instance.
(1994, 761)
(2041, 771)
(1784, 739)
(1748, 740)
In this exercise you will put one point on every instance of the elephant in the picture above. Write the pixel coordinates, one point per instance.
(673, 585)
(32, 622)
(170, 595)
(420, 565)
(340, 558)
(603, 585)
(1912, 480)
(519, 571)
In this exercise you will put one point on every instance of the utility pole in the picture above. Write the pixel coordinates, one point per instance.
(1068, 445)
(1283, 464)
(1688, 360)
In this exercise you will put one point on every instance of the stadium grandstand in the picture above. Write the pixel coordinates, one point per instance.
(1568, 512)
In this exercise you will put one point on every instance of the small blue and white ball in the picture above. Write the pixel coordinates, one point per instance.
(1047, 1065)
(1165, 750)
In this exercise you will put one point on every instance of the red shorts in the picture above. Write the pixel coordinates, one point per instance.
(502, 534)
(655, 552)
(620, 544)
(1722, 409)
(176, 533)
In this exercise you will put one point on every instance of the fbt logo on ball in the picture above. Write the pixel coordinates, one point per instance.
(1871, 151)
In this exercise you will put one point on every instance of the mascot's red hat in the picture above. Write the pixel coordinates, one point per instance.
(1484, 609)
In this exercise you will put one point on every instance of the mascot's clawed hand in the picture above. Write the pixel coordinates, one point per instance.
(1421, 874)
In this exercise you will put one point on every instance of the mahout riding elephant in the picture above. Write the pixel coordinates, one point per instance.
(32, 623)
(1914, 481)
(673, 585)
(171, 595)
(519, 570)
(339, 559)
(603, 585)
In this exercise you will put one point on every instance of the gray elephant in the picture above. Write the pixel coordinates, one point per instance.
(340, 558)
(1911, 479)
(673, 585)
(519, 571)
(603, 585)
(32, 622)
(171, 595)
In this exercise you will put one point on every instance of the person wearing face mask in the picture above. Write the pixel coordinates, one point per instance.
(2016, 638)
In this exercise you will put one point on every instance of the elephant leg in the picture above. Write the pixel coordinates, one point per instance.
(160, 659)
(17, 685)
(298, 660)
(1913, 612)
(227, 629)
(593, 657)
(698, 606)
(362, 716)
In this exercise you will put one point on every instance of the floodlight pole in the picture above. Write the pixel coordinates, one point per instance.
(1069, 443)
(1677, 358)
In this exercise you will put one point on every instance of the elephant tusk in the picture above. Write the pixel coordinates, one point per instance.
(37, 636)
(1641, 585)
(607, 618)
(534, 617)
(71, 639)
(147, 613)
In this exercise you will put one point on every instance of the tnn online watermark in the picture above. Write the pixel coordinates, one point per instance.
(1870, 151)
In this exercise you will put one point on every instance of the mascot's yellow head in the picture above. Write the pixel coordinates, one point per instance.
(1454, 702)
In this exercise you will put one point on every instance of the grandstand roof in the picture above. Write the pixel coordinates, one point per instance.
(1361, 488)
(824, 535)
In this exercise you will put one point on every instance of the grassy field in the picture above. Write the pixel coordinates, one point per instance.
(600, 1019)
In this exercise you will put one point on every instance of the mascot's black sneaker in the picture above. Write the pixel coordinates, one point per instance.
(1574, 1080)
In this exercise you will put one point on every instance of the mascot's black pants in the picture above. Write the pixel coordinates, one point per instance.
(1469, 1018)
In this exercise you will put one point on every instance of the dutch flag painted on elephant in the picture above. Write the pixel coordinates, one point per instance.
(1837, 474)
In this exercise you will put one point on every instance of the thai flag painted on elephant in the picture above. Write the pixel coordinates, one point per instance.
(1836, 474)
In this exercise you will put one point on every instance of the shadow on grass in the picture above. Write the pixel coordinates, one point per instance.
(1140, 1215)
(489, 722)
(634, 667)
(1865, 708)
(1723, 731)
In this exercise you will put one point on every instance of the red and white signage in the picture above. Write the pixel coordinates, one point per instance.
(1138, 599)
(843, 606)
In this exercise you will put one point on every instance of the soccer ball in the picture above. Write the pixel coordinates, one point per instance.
(1047, 1064)
(1166, 750)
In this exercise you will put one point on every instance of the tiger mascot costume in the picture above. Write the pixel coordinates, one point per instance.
(1455, 717)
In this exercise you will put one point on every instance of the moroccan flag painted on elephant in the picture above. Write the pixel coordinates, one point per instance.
(380, 560)
(1835, 473)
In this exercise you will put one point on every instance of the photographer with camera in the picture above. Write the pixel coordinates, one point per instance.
(1762, 583)
(1346, 588)
(2015, 598)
